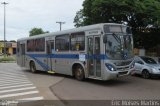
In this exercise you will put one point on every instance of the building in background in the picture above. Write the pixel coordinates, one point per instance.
(10, 47)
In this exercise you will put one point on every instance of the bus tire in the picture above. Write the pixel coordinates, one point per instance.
(79, 73)
(33, 67)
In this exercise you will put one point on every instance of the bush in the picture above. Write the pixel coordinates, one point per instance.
(6, 59)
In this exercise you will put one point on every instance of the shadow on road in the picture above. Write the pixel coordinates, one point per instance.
(118, 81)
(113, 82)
(151, 78)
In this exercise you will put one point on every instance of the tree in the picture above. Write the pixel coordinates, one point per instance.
(137, 13)
(79, 19)
(141, 15)
(12, 41)
(36, 31)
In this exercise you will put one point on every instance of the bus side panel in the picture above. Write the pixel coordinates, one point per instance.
(63, 66)
(40, 62)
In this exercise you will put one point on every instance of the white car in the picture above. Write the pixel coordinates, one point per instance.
(146, 67)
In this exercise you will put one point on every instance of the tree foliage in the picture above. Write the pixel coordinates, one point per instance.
(79, 19)
(142, 15)
(36, 31)
(137, 13)
(12, 41)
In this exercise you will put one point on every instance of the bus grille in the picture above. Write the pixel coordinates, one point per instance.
(123, 63)
(123, 68)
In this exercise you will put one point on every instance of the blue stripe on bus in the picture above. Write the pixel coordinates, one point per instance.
(43, 65)
(64, 56)
(69, 56)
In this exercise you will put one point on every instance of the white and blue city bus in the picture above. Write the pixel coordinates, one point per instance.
(101, 51)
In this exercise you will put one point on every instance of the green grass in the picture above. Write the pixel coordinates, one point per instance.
(7, 59)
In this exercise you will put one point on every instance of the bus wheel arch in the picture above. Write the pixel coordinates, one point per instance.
(78, 71)
(32, 66)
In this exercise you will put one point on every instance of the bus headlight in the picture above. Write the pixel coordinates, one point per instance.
(110, 67)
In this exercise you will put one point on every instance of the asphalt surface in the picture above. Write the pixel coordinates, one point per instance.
(125, 88)
(20, 85)
(43, 89)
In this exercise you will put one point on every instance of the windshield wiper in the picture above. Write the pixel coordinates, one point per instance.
(116, 38)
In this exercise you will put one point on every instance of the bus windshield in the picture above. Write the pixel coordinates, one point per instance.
(119, 46)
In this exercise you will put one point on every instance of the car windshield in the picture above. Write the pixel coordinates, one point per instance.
(148, 60)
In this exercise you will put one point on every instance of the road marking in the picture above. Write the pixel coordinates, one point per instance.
(30, 99)
(12, 74)
(6, 75)
(9, 77)
(19, 89)
(18, 94)
(16, 83)
(12, 71)
(15, 86)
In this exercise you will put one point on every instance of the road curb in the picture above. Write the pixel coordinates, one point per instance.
(52, 90)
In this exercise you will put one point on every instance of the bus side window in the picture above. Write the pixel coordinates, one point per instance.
(78, 41)
(62, 43)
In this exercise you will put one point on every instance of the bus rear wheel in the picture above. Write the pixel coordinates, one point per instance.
(33, 67)
(79, 73)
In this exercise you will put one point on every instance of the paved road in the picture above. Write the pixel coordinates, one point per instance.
(95, 93)
(20, 84)
(123, 88)
(15, 85)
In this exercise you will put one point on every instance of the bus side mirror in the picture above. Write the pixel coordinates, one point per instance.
(105, 38)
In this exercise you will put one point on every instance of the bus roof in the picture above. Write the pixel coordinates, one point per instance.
(83, 28)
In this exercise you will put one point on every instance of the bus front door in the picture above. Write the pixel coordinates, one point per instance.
(94, 61)
(22, 52)
(50, 59)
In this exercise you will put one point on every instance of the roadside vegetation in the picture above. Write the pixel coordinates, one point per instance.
(6, 59)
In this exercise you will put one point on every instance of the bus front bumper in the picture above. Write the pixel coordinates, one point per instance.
(113, 75)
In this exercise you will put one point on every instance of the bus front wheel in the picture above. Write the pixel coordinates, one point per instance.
(79, 73)
(33, 67)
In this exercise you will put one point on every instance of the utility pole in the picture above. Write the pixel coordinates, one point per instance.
(60, 23)
(4, 3)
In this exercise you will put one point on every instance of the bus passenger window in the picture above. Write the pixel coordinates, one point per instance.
(36, 45)
(62, 43)
(78, 41)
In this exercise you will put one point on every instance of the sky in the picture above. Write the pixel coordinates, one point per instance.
(23, 15)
